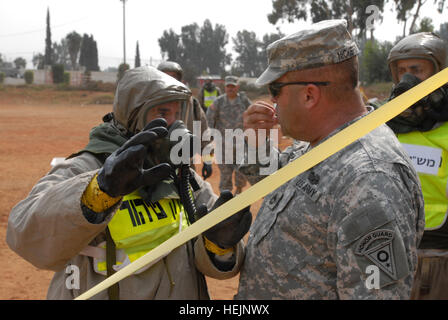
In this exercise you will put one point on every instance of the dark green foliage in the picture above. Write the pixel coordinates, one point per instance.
(121, 70)
(66, 78)
(48, 57)
(352, 11)
(89, 53)
(252, 59)
(199, 50)
(58, 73)
(74, 41)
(373, 62)
(29, 77)
(137, 62)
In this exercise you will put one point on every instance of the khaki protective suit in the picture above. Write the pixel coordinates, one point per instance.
(48, 228)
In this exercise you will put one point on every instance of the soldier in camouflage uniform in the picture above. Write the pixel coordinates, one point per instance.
(226, 112)
(349, 227)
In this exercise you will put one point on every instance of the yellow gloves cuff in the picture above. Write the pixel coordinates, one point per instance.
(208, 158)
(95, 199)
(210, 246)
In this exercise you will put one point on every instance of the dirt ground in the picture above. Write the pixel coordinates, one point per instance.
(35, 126)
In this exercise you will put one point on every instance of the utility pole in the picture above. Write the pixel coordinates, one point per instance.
(124, 31)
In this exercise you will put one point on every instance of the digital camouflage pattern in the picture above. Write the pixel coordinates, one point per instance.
(319, 235)
(225, 114)
(323, 43)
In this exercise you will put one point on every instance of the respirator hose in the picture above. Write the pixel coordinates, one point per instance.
(186, 195)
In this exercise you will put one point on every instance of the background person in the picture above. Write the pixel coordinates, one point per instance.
(208, 94)
(423, 131)
(227, 113)
(318, 235)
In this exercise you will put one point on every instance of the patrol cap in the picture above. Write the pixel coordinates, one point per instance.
(322, 43)
(231, 80)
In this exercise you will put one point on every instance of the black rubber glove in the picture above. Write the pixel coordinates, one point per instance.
(229, 232)
(123, 172)
(206, 170)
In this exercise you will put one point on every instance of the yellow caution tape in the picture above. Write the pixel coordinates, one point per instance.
(281, 176)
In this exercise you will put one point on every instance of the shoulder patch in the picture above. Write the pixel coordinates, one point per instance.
(377, 247)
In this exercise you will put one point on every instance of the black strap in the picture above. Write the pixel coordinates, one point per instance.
(111, 259)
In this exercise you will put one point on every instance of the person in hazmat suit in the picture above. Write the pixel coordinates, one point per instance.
(123, 195)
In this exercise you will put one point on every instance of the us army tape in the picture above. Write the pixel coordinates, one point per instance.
(283, 175)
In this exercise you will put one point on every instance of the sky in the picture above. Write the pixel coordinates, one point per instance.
(23, 24)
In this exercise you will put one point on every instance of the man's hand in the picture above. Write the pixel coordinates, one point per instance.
(206, 170)
(259, 115)
(229, 232)
(123, 173)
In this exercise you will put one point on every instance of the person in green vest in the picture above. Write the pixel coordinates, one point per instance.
(123, 195)
(208, 94)
(422, 129)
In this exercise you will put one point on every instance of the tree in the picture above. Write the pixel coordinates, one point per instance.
(121, 70)
(74, 40)
(426, 25)
(38, 61)
(212, 42)
(200, 50)
(58, 73)
(48, 50)
(29, 76)
(88, 56)
(252, 58)
(443, 31)
(191, 59)
(404, 8)
(440, 6)
(373, 61)
(416, 14)
(20, 62)
(137, 57)
(170, 46)
(248, 47)
(267, 40)
(352, 11)
(61, 53)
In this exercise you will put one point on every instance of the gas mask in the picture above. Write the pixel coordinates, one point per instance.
(423, 115)
(180, 138)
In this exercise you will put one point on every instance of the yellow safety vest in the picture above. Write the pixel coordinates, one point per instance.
(210, 97)
(139, 226)
(429, 154)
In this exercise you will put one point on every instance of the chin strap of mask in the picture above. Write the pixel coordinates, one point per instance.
(424, 114)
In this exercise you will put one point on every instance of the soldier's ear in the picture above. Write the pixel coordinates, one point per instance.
(312, 95)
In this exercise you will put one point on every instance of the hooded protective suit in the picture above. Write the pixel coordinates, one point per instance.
(50, 230)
